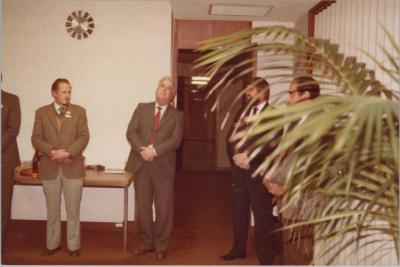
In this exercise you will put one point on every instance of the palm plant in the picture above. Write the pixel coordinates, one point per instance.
(346, 153)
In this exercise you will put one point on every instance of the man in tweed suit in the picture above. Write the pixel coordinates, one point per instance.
(10, 125)
(60, 134)
(155, 133)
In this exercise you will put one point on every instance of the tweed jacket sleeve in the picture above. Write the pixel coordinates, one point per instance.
(82, 139)
(37, 138)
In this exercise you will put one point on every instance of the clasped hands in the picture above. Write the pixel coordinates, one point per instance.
(242, 160)
(147, 153)
(61, 155)
(273, 188)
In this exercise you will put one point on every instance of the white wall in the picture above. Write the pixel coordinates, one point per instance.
(301, 24)
(354, 25)
(277, 86)
(113, 70)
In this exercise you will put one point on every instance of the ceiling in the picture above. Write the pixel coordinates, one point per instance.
(282, 10)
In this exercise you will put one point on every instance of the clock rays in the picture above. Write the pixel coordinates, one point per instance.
(79, 24)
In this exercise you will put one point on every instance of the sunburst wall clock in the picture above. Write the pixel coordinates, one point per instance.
(80, 24)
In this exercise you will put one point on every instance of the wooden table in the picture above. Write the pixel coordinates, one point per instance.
(94, 179)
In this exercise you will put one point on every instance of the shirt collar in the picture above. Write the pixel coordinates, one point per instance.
(163, 108)
(259, 107)
(57, 107)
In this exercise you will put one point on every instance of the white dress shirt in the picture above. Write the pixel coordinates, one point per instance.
(163, 109)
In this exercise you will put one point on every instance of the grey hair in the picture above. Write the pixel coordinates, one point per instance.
(171, 80)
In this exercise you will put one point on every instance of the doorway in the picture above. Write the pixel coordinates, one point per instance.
(204, 141)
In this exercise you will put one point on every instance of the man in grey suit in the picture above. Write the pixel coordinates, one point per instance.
(301, 89)
(155, 133)
(60, 134)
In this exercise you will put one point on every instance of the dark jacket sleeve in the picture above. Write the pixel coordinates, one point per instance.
(10, 134)
(267, 148)
(229, 144)
(37, 138)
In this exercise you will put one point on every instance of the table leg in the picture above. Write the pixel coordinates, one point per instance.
(125, 218)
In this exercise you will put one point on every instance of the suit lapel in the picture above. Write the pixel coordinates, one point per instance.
(52, 115)
(68, 116)
(147, 118)
(265, 107)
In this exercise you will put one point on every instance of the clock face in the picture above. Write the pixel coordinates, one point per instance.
(79, 24)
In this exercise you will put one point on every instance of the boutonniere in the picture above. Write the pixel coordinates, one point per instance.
(68, 114)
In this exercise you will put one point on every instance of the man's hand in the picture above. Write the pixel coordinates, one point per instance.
(242, 160)
(61, 155)
(67, 160)
(273, 188)
(147, 153)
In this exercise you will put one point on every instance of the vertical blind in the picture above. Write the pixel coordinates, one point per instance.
(356, 26)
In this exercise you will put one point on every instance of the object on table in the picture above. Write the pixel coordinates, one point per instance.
(96, 167)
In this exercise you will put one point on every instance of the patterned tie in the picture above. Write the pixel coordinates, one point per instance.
(156, 121)
(61, 110)
(60, 117)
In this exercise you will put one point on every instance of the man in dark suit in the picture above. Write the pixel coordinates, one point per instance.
(246, 190)
(10, 125)
(60, 134)
(155, 133)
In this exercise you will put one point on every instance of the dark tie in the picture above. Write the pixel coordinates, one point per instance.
(255, 109)
(156, 121)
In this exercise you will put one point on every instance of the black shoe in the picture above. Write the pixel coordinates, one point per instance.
(142, 251)
(231, 256)
(50, 252)
(74, 253)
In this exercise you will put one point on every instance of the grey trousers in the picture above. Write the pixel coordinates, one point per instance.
(151, 187)
(72, 189)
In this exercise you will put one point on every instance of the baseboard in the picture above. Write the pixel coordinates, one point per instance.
(85, 226)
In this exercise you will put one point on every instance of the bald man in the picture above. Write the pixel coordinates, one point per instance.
(155, 133)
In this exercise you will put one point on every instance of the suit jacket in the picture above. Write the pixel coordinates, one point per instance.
(72, 136)
(10, 125)
(166, 141)
(265, 150)
(304, 207)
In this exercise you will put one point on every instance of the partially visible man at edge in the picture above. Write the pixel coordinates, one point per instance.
(301, 89)
(10, 126)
